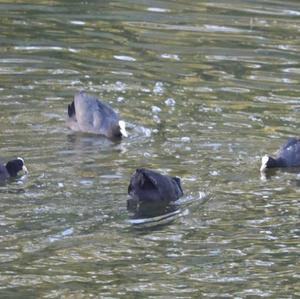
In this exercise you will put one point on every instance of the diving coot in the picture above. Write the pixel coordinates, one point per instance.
(88, 114)
(151, 186)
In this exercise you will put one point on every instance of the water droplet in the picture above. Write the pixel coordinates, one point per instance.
(124, 58)
(158, 88)
(155, 109)
(185, 139)
(170, 56)
(214, 173)
(156, 119)
(170, 102)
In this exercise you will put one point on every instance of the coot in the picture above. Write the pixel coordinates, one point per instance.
(11, 168)
(151, 186)
(88, 114)
(288, 156)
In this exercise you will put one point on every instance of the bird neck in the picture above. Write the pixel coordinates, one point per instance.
(276, 162)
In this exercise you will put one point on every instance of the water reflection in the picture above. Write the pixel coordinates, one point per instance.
(156, 221)
(153, 214)
(81, 142)
(270, 173)
(145, 209)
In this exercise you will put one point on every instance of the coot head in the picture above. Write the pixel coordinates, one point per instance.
(267, 162)
(14, 166)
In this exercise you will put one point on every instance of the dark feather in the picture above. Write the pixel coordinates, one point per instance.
(151, 186)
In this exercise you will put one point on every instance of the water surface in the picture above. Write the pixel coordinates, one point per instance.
(207, 88)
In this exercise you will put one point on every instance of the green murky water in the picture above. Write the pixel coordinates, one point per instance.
(207, 88)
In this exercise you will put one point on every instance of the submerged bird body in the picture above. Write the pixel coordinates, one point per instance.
(151, 193)
(288, 156)
(150, 186)
(88, 114)
(11, 168)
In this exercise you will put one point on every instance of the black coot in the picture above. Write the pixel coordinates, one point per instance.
(151, 192)
(11, 168)
(88, 114)
(288, 156)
